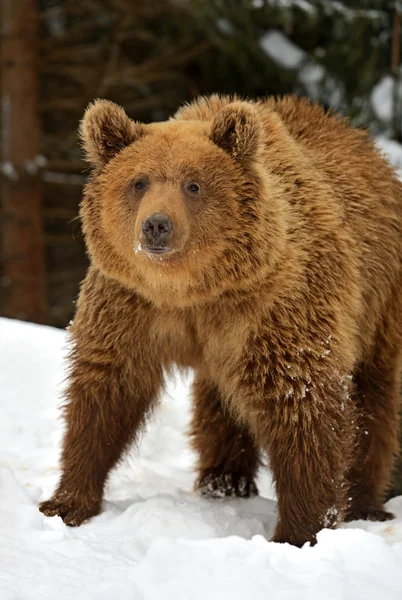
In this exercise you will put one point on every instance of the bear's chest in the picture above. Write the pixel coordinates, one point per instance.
(222, 338)
(174, 335)
(204, 339)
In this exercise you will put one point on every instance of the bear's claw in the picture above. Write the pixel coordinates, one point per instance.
(375, 514)
(219, 486)
(73, 513)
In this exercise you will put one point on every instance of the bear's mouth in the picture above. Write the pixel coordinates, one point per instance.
(153, 250)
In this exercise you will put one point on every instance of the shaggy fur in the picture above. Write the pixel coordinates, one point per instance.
(281, 287)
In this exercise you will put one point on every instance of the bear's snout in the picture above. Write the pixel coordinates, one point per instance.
(157, 229)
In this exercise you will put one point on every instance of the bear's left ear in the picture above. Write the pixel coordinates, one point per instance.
(105, 129)
(237, 129)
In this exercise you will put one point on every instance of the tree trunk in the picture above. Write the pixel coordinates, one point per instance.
(23, 283)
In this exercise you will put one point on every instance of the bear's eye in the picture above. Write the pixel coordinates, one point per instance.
(140, 184)
(193, 188)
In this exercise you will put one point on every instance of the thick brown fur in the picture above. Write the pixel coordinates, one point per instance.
(282, 289)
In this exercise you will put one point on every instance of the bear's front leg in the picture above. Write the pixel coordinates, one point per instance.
(104, 413)
(308, 432)
(113, 382)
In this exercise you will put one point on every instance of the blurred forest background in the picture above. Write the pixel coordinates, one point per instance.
(150, 56)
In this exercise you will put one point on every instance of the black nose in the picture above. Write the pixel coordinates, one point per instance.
(157, 227)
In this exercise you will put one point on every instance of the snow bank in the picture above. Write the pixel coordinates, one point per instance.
(155, 539)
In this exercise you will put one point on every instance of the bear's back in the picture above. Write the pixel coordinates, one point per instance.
(336, 148)
(366, 188)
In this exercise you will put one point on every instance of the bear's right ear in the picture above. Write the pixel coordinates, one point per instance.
(105, 129)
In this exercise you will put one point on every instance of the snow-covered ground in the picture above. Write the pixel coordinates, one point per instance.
(392, 151)
(156, 539)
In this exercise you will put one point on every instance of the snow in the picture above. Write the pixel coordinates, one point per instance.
(8, 169)
(316, 81)
(281, 50)
(224, 26)
(381, 98)
(156, 538)
(55, 20)
(33, 166)
(352, 13)
(301, 4)
(311, 76)
(392, 151)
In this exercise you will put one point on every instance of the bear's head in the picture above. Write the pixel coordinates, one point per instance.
(181, 211)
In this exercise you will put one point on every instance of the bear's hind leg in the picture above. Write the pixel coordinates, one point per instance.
(228, 458)
(378, 394)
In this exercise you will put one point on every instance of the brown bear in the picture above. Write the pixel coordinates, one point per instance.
(260, 244)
